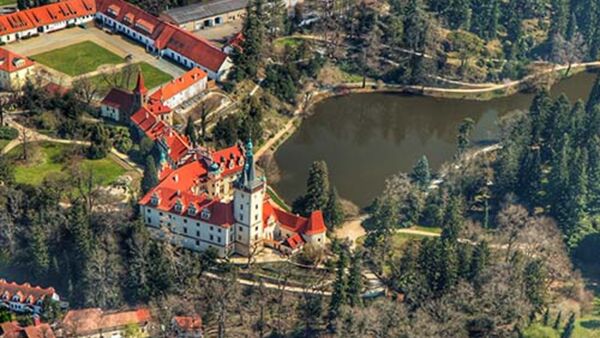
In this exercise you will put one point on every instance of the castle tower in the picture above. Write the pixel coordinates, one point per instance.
(249, 193)
(140, 92)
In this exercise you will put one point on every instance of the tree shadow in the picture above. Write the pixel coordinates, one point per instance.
(592, 324)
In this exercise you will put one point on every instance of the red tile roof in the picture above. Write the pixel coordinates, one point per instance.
(45, 15)
(178, 85)
(196, 49)
(140, 87)
(177, 144)
(139, 20)
(294, 242)
(25, 291)
(295, 223)
(231, 160)
(119, 99)
(11, 62)
(165, 35)
(14, 330)
(188, 322)
(237, 41)
(89, 321)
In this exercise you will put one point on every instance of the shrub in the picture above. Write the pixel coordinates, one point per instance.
(8, 133)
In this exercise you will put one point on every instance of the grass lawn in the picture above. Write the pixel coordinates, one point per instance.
(77, 59)
(7, 2)
(277, 200)
(433, 230)
(288, 42)
(153, 77)
(49, 160)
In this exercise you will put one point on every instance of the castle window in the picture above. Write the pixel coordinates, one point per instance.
(219, 239)
(197, 243)
(197, 233)
(205, 214)
(184, 220)
(185, 230)
(211, 228)
(149, 220)
(241, 207)
(192, 209)
(241, 229)
(212, 237)
(219, 230)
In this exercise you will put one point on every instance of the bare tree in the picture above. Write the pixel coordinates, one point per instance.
(568, 51)
(85, 89)
(25, 140)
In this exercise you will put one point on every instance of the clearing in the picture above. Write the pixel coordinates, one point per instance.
(53, 158)
(79, 58)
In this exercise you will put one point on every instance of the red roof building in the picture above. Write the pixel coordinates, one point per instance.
(187, 326)
(181, 89)
(14, 69)
(163, 38)
(14, 330)
(24, 298)
(89, 322)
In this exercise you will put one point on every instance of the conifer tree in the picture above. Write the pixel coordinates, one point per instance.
(317, 187)
(190, 131)
(459, 14)
(538, 115)
(569, 328)
(464, 132)
(546, 319)
(161, 280)
(333, 212)
(150, 178)
(453, 219)
(559, 18)
(594, 97)
(421, 173)
(594, 175)
(558, 320)
(38, 251)
(479, 262)
(354, 289)
(338, 296)
(534, 276)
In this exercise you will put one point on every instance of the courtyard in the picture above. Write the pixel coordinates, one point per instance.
(79, 58)
(115, 44)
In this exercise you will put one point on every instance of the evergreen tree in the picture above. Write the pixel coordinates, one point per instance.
(162, 278)
(559, 184)
(416, 26)
(546, 319)
(558, 320)
(190, 131)
(513, 16)
(464, 132)
(38, 251)
(317, 187)
(354, 289)
(593, 188)
(459, 14)
(559, 18)
(138, 268)
(338, 296)
(531, 176)
(569, 328)
(150, 178)
(538, 115)
(421, 174)
(479, 262)
(99, 142)
(453, 219)
(535, 276)
(485, 21)
(333, 212)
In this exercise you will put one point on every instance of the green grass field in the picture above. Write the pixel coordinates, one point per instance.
(153, 77)
(8, 2)
(585, 327)
(49, 160)
(77, 59)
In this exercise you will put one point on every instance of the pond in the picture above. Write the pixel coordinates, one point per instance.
(365, 138)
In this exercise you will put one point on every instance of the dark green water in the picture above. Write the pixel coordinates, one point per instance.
(365, 138)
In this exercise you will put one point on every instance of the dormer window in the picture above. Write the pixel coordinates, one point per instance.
(16, 298)
(205, 215)
(178, 206)
(231, 163)
(154, 200)
(241, 161)
(192, 209)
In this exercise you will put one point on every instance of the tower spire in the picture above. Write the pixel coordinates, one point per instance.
(248, 179)
(140, 87)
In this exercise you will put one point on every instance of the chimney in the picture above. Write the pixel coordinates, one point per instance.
(36, 320)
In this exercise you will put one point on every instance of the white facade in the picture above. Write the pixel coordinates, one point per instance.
(109, 112)
(15, 304)
(124, 29)
(7, 38)
(186, 94)
(190, 232)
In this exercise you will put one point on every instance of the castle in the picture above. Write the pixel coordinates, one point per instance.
(213, 199)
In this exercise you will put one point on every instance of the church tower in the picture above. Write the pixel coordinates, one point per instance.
(249, 193)
(140, 93)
